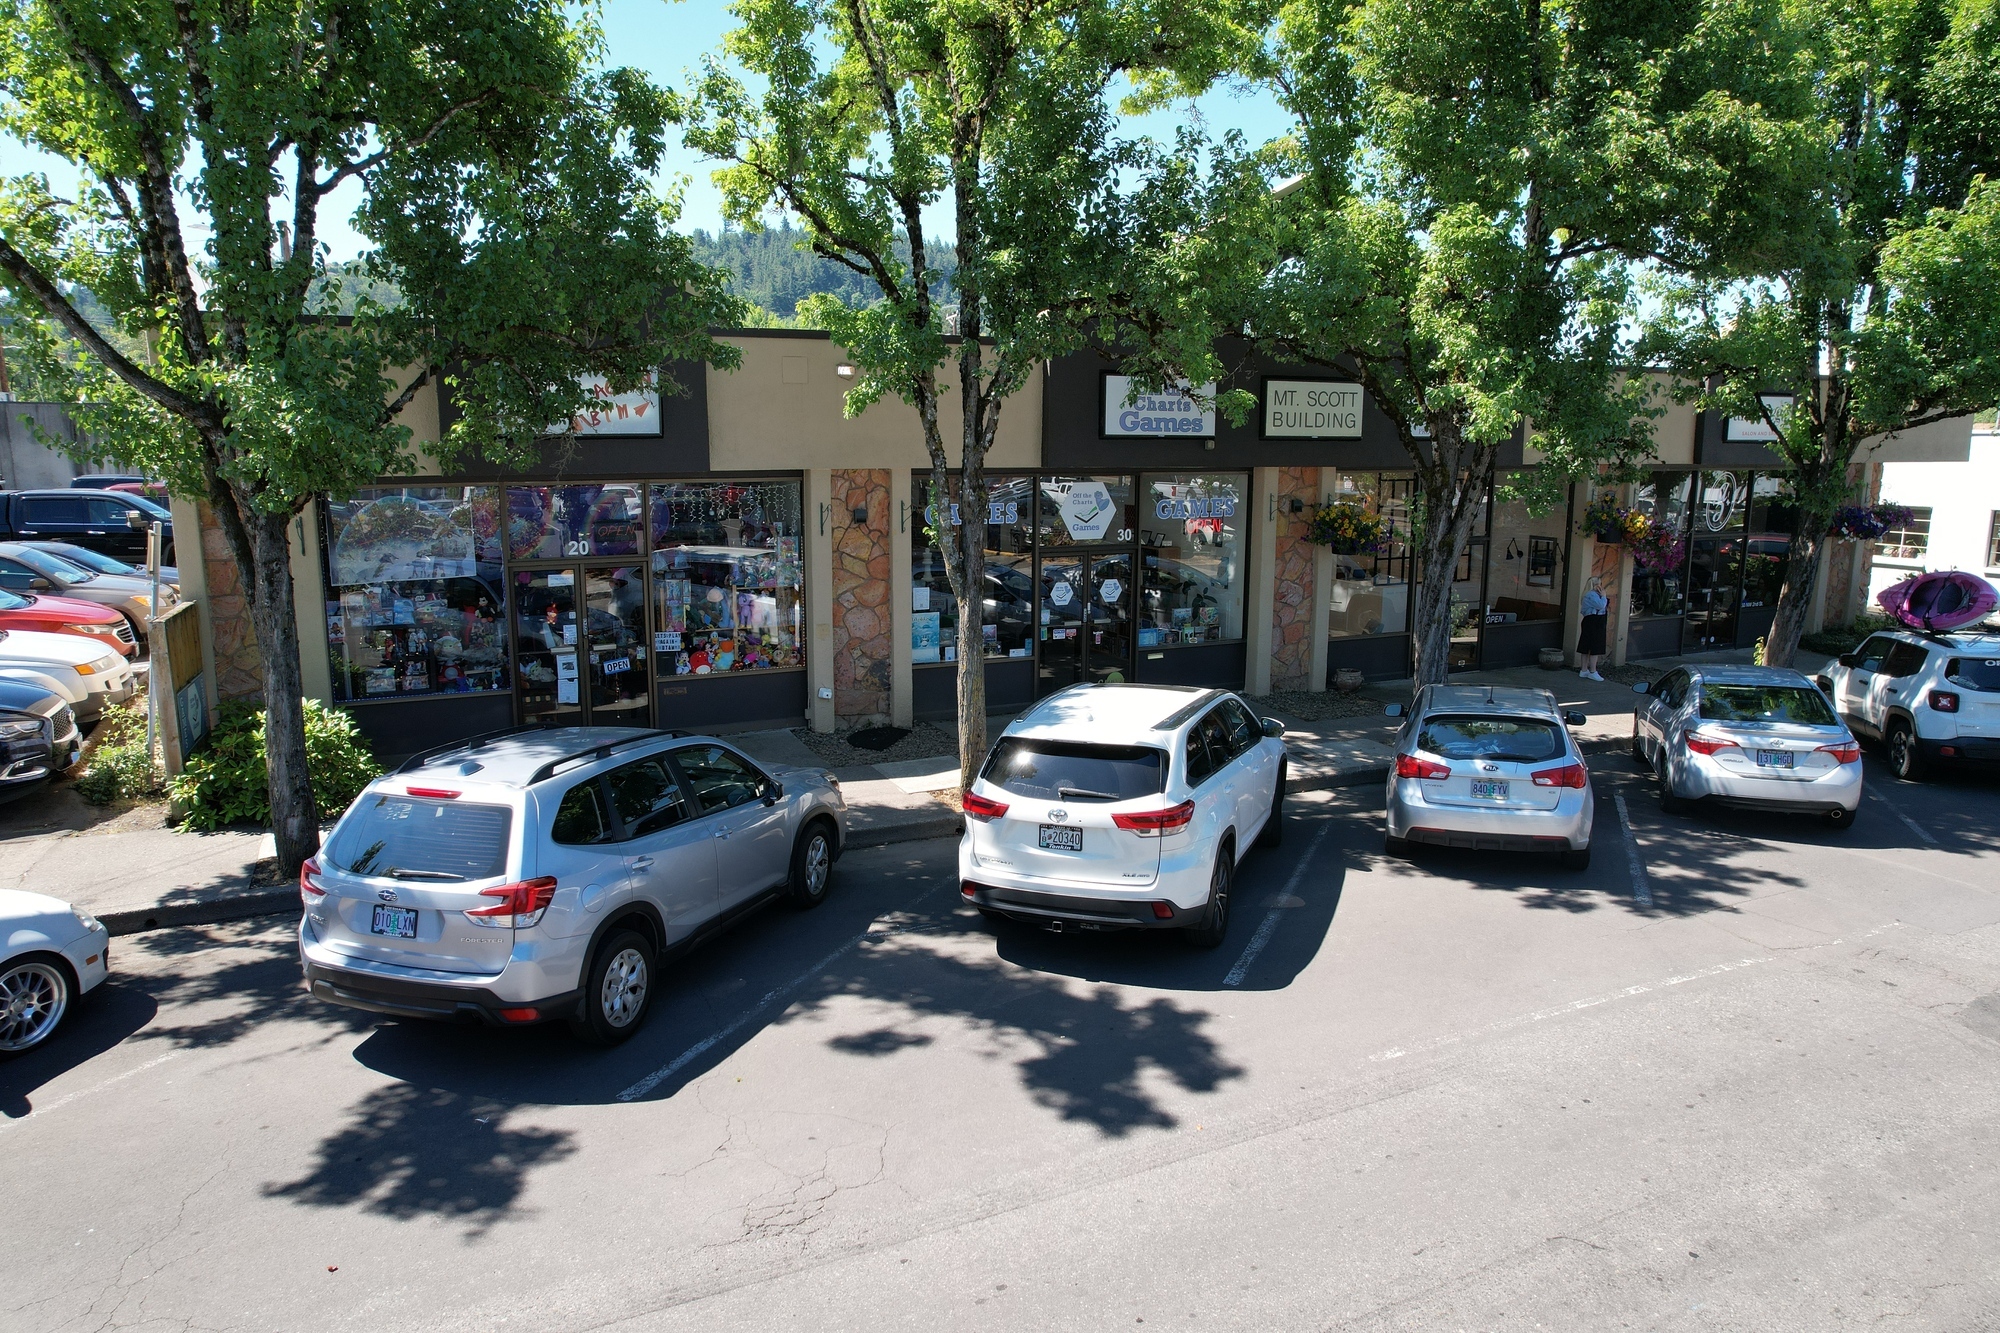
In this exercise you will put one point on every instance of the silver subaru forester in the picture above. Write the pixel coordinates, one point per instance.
(543, 873)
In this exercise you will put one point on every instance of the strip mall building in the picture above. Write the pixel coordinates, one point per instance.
(741, 555)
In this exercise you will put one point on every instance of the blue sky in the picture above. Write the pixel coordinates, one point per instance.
(668, 39)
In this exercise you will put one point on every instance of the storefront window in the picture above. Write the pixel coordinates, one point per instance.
(728, 587)
(1084, 511)
(1664, 498)
(1721, 501)
(414, 603)
(1525, 581)
(1191, 537)
(1371, 590)
(1009, 616)
(550, 522)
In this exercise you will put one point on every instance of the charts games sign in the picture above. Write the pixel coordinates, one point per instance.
(1151, 415)
(1311, 410)
(634, 413)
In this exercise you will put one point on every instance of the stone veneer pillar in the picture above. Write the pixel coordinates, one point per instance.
(862, 618)
(1257, 614)
(1292, 584)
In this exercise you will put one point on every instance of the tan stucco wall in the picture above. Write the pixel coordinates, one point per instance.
(781, 411)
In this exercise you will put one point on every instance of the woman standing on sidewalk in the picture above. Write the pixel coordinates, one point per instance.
(1590, 636)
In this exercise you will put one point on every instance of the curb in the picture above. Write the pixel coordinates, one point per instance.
(263, 902)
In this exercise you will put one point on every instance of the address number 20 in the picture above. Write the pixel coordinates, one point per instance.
(581, 546)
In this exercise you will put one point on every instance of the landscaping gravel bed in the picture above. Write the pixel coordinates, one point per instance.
(925, 741)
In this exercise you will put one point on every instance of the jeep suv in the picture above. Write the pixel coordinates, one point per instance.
(542, 874)
(1929, 698)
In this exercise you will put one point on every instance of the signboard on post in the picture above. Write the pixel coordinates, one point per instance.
(180, 684)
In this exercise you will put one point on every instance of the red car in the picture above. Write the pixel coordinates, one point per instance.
(66, 615)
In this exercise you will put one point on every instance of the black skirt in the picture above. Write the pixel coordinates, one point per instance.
(1590, 637)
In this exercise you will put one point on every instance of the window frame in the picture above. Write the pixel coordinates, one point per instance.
(630, 830)
(762, 790)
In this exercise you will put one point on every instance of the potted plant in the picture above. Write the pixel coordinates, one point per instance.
(1346, 528)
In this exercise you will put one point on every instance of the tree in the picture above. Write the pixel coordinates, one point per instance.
(503, 186)
(1450, 222)
(999, 113)
(1864, 296)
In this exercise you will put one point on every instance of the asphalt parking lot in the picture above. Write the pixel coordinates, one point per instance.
(1741, 1073)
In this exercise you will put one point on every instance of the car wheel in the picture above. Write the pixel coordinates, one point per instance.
(812, 866)
(1905, 760)
(1274, 828)
(1214, 927)
(617, 990)
(34, 997)
(1670, 804)
(1840, 820)
(1576, 858)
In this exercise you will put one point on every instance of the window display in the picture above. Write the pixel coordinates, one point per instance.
(1525, 582)
(1371, 589)
(728, 587)
(1010, 593)
(1664, 498)
(550, 522)
(414, 601)
(1191, 535)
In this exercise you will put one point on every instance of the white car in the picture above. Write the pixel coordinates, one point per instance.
(50, 955)
(90, 675)
(1931, 699)
(1114, 807)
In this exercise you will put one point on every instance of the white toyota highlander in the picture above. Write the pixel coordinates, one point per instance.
(1109, 807)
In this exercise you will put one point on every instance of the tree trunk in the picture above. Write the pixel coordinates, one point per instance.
(1795, 598)
(294, 818)
(971, 538)
(1450, 507)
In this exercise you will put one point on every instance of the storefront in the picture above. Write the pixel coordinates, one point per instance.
(1101, 577)
(1721, 589)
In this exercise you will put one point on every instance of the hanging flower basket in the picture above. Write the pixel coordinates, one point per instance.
(1347, 529)
(1607, 521)
(1868, 522)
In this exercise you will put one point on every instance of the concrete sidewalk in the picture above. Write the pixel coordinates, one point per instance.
(150, 878)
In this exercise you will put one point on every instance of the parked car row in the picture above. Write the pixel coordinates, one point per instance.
(94, 519)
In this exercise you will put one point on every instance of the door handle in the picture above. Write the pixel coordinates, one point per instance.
(723, 834)
(642, 863)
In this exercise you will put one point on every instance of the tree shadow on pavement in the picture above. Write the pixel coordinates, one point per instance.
(407, 1152)
(228, 981)
(96, 1023)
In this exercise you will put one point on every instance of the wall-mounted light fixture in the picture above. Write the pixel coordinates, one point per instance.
(845, 370)
(825, 509)
(903, 517)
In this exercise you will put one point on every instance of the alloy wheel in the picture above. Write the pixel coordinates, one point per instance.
(623, 993)
(33, 998)
(819, 859)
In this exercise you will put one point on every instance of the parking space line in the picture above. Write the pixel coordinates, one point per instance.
(1270, 922)
(1912, 824)
(60, 1102)
(1642, 888)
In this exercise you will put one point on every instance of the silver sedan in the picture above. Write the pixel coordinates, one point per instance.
(1489, 767)
(1759, 737)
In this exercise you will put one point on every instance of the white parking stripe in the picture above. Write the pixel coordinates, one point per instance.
(1913, 825)
(1270, 921)
(61, 1102)
(1642, 888)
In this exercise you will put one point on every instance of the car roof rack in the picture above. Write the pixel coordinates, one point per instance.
(548, 770)
(417, 761)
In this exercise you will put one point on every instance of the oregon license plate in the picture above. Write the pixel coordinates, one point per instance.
(1774, 758)
(1489, 791)
(400, 922)
(1061, 838)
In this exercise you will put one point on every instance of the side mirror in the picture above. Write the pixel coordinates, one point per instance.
(1272, 727)
(135, 520)
(774, 792)
(1394, 710)
(39, 584)
(1574, 719)
(1849, 659)
(1643, 687)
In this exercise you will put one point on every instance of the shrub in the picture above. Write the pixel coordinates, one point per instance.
(228, 782)
(120, 768)
(1837, 639)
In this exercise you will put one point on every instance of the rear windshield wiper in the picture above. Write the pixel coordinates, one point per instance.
(398, 872)
(1084, 794)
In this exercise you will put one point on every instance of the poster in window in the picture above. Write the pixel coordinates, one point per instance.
(925, 638)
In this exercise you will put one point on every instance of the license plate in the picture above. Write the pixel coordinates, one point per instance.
(400, 922)
(1774, 758)
(1061, 838)
(1489, 791)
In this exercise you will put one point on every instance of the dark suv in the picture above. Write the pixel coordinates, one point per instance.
(94, 520)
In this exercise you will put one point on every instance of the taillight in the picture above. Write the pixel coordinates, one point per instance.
(1848, 753)
(1569, 775)
(309, 886)
(1153, 823)
(1409, 766)
(1944, 701)
(520, 904)
(1701, 744)
(979, 807)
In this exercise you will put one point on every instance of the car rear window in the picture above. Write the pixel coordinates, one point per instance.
(1523, 739)
(1981, 674)
(1765, 703)
(415, 837)
(1062, 771)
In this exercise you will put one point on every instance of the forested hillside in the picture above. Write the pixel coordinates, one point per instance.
(774, 273)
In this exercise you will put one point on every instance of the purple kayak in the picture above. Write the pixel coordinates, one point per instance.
(1947, 599)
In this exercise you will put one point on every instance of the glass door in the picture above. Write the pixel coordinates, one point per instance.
(1085, 632)
(1715, 577)
(1059, 636)
(582, 659)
